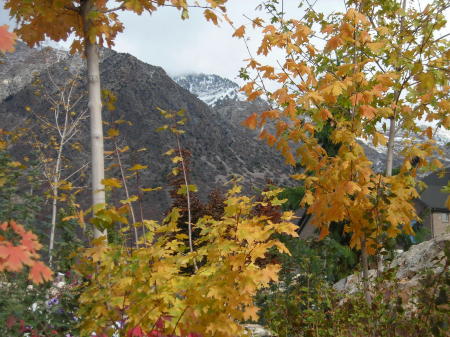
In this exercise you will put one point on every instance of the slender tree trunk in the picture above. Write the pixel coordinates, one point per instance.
(55, 191)
(188, 198)
(391, 141)
(127, 194)
(95, 112)
(365, 268)
(141, 209)
(55, 187)
(390, 147)
(392, 131)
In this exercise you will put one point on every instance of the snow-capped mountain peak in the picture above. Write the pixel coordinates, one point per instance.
(210, 88)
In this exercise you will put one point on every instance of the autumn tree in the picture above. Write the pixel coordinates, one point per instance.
(93, 24)
(379, 63)
(60, 125)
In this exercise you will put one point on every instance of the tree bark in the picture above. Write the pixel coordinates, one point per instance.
(390, 147)
(365, 270)
(55, 190)
(95, 112)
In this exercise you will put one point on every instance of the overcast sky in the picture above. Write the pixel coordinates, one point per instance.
(193, 45)
(188, 46)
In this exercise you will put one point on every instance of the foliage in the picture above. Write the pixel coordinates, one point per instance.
(19, 248)
(379, 63)
(7, 39)
(309, 306)
(304, 279)
(44, 310)
(293, 195)
(104, 23)
(17, 185)
(133, 288)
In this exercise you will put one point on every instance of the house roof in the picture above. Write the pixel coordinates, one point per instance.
(432, 196)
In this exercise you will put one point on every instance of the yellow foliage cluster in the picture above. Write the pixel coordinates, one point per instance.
(379, 64)
(131, 288)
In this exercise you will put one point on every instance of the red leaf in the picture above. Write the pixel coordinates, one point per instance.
(135, 332)
(40, 273)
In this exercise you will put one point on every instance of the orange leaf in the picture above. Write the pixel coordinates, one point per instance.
(30, 241)
(367, 111)
(251, 313)
(210, 16)
(325, 114)
(7, 39)
(40, 273)
(251, 121)
(15, 257)
(328, 29)
(239, 32)
(333, 43)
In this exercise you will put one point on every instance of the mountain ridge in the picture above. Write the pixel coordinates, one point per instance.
(219, 148)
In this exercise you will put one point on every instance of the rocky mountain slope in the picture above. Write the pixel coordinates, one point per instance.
(219, 148)
(223, 96)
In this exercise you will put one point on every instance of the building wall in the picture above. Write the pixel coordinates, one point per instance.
(441, 224)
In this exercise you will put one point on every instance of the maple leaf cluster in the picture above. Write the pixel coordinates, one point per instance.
(138, 286)
(93, 20)
(376, 67)
(21, 251)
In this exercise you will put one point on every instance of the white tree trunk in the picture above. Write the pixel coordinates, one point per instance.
(390, 147)
(127, 194)
(95, 112)
(392, 131)
(55, 190)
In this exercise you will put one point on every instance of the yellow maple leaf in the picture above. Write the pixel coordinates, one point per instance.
(270, 273)
(113, 132)
(138, 167)
(376, 47)
(112, 182)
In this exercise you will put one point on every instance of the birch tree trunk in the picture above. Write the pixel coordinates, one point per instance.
(392, 131)
(390, 147)
(95, 112)
(55, 190)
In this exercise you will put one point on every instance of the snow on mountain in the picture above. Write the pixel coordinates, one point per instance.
(210, 88)
(224, 97)
(377, 154)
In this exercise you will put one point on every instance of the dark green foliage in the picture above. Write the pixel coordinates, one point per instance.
(293, 195)
(305, 304)
(18, 198)
(44, 310)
